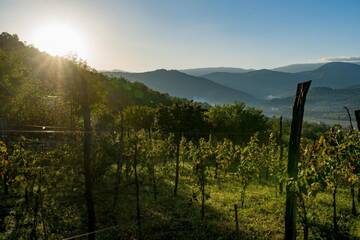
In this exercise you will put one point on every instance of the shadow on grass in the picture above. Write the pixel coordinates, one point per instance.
(171, 217)
(168, 217)
(326, 231)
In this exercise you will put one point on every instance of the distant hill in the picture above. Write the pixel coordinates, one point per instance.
(203, 71)
(295, 68)
(183, 85)
(267, 83)
(260, 83)
(335, 75)
(302, 67)
(322, 103)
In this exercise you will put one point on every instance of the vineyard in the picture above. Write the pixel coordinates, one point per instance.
(84, 156)
(163, 188)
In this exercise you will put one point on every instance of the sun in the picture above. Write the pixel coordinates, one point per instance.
(60, 40)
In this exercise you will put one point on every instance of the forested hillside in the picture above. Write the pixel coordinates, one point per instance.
(40, 88)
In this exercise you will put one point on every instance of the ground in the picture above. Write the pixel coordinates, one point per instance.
(262, 217)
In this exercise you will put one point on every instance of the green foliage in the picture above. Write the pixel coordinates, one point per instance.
(249, 164)
(182, 119)
(40, 181)
(139, 117)
(236, 122)
(38, 88)
(224, 153)
(201, 156)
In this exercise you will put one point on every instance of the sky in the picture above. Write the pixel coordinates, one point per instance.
(145, 35)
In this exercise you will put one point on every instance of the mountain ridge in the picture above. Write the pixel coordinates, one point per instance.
(206, 70)
(180, 84)
(264, 83)
(302, 67)
(258, 83)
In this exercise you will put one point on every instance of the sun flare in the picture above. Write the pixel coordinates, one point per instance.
(60, 40)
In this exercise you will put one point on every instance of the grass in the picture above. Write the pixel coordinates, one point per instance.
(171, 217)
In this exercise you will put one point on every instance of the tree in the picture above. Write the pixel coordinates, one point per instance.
(236, 122)
(138, 117)
(10, 41)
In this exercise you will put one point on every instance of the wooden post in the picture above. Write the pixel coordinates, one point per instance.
(120, 148)
(281, 146)
(352, 188)
(4, 136)
(293, 158)
(357, 117)
(3, 128)
(202, 191)
(177, 167)
(138, 214)
(349, 116)
(335, 223)
(236, 221)
(353, 205)
(87, 160)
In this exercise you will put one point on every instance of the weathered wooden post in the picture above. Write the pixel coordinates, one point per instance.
(281, 148)
(4, 137)
(3, 128)
(138, 214)
(177, 167)
(86, 112)
(353, 206)
(349, 116)
(236, 221)
(357, 117)
(293, 158)
(119, 162)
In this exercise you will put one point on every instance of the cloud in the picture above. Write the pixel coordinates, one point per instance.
(340, 59)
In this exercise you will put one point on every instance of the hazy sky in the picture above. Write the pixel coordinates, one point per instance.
(149, 34)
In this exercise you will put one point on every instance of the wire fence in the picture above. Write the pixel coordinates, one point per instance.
(109, 230)
(32, 133)
(45, 131)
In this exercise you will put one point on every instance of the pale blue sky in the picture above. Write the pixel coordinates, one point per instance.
(143, 35)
